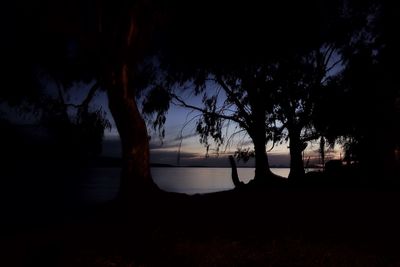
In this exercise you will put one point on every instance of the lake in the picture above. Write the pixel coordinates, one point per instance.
(202, 180)
(102, 184)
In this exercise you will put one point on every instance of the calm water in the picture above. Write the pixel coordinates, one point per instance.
(202, 180)
(102, 183)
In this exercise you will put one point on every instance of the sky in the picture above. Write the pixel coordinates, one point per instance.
(181, 145)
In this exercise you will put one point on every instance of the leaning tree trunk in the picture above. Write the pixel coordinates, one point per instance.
(235, 177)
(135, 176)
(296, 148)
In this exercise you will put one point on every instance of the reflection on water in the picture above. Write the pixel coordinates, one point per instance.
(102, 183)
(202, 180)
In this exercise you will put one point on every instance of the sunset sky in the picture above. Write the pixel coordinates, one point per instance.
(181, 122)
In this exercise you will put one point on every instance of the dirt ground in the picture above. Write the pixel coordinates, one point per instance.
(276, 227)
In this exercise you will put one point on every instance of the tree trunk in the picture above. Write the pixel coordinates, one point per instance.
(262, 172)
(262, 164)
(135, 175)
(322, 151)
(296, 148)
(127, 44)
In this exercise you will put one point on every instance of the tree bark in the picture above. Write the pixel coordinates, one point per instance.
(135, 176)
(262, 165)
(127, 39)
(258, 135)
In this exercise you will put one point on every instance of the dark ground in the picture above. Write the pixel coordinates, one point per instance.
(286, 226)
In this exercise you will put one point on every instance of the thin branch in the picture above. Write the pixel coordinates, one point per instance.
(241, 108)
(227, 129)
(204, 111)
(62, 99)
(242, 139)
(72, 105)
(310, 137)
(181, 135)
(60, 93)
(90, 95)
(334, 65)
(228, 141)
(327, 56)
(187, 122)
(85, 103)
(273, 145)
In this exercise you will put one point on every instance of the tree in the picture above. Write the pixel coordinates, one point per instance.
(265, 99)
(235, 57)
(28, 56)
(96, 41)
(368, 92)
(244, 103)
(270, 90)
(298, 81)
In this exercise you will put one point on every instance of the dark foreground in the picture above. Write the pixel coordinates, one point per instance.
(271, 227)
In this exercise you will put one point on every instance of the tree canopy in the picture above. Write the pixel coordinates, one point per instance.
(276, 67)
(273, 71)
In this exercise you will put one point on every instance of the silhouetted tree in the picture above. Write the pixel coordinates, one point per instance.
(307, 80)
(90, 41)
(269, 88)
(245, 103)
(234, 57)
(35, 61)
(368, 92)
(298, 82)
(273, 101)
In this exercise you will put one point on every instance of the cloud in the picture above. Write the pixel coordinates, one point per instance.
(171, 157)
(186, 136)
(162, 145)
(156, 143)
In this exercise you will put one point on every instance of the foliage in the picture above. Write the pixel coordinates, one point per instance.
(76, 135)
(244, 154)
(156, 104)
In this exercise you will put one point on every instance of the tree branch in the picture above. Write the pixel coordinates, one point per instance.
(309, 137)
(85, 103)
(228, 142)
(90, 95)
(334, 65)
(239, 105)
(182, 103)
(328, 54)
